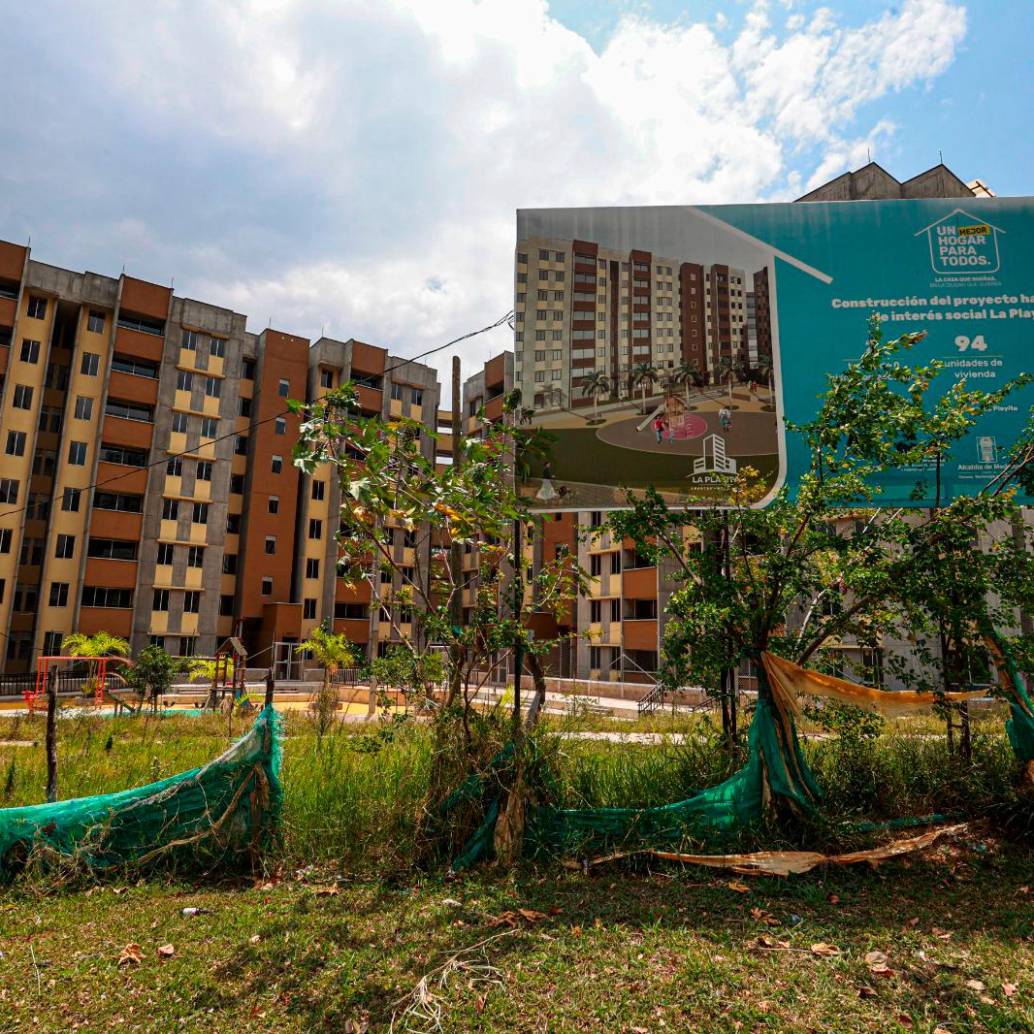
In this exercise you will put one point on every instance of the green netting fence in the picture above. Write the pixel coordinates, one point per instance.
(221, 813)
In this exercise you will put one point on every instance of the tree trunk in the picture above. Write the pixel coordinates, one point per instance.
(51, 740)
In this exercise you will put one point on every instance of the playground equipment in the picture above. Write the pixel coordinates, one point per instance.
(100, 676)
(228, 671)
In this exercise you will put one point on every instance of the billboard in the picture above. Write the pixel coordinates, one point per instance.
(667, 346)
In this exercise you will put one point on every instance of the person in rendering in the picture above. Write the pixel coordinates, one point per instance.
(658, 428)
(725, 418)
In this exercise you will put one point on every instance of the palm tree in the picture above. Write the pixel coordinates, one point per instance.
(94, 647)
(596, 384)
(643, 374)
(726, 371)
(766, 369)
(100, 644)
(331, 649)
(687, 375)
(334, 652)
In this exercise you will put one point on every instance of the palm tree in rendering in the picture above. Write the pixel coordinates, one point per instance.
(643, 374)
(766, 369)
(596, 384)
(726, 370)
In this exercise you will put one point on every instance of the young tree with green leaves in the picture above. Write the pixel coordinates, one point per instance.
(152, 674)
(808, 571)
(388, 480)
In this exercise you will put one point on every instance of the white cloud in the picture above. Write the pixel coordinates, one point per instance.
(356, 166)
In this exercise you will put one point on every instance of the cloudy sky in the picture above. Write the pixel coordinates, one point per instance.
(354, 167)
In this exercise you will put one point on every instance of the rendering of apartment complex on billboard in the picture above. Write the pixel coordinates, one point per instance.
(669, 348)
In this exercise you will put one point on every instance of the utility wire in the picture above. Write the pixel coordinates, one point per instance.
(257, 423)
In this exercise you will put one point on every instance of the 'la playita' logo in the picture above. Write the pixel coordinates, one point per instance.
(961, 243)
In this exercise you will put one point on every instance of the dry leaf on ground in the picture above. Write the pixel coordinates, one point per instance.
(131, 955)
(823, 950)
(166, 951)
(740, 888)
(975, 985)
(1009, 990)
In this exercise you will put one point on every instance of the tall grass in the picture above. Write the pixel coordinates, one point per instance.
(353, 797)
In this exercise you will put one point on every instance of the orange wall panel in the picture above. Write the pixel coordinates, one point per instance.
(113, 524)
(145, 298)
(131, 480)
(112, 574)
(639, 635)
(135, 342)
(143, 390)
(357, 631)
(104, 619)
(12, 260)
(367, 358)
(8, 310)
(133, 434)
(640, 584)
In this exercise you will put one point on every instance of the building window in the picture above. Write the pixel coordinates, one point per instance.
(595, 608)
(174, 468)
(77, 454)
(196, 556)
(191, 602)
(229, 563)
(83, 408)
(248, 369)
(89, 364)
(129, 411)
(312, 568)
(95, 322)
(318, 489)
(156, 640)
(240, 445)
(165, 554)
(233, 524)
(170, 509)
(209, 427)
(396, 392)
(280, 426)
(309, 609)
(204, 470)
(64, 548)
(184, 380)
(274, 504)
(270, 545)
(160, 600)
(267, 586)
(217, 347)
(179, 423)
(188, 645)
(244, 405)
(236, 484)
(213, 387)
(226, 606)
(37, 307)
(595, 567)
(22, 396)
(30, 351)
(5, 540)
(315, 528)
(326, 379)
(70, 500)
(59, 594)
(101, 596)
(200, 513)
(277, 464)
(283, 388)
(190, 340)
(111, 549)
(52, 643)
(15, 443)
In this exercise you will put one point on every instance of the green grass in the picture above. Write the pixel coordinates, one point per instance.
(614, 950)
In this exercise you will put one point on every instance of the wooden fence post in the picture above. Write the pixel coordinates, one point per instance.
(51, 740)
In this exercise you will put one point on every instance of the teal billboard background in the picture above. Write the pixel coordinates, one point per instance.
(960, 269)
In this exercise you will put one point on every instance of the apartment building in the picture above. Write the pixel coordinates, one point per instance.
(146, 481)
(581, 308)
